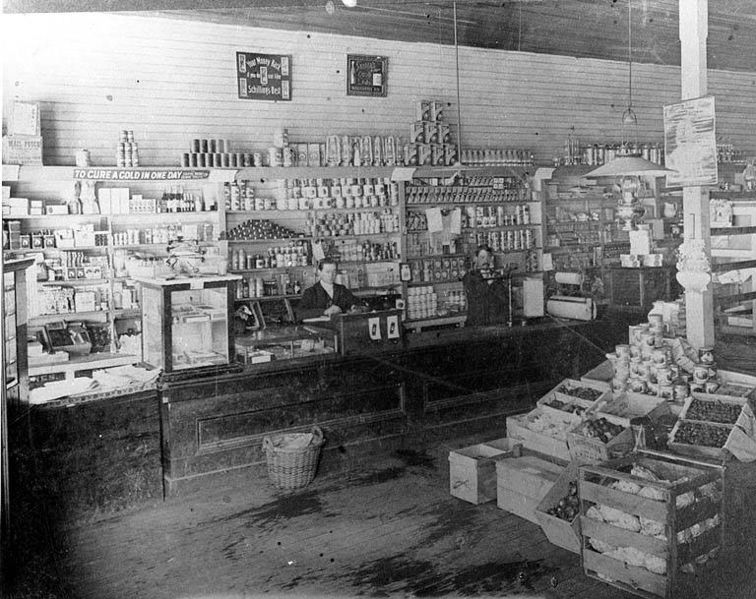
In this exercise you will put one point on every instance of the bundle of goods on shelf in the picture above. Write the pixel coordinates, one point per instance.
(261, 229)
(430, 137)
(596, 154)
(295, 254)
(497, 157)
(353, 250)
(215, 153)
(164, 234)
(422, 302)
(255, 287)
(353, 223)
(346, 192)
(127, 152)
(69, 300)
(627, 507)
(470, 190)
(438, 269)
(119, 200)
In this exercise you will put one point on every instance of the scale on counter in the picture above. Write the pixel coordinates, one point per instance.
(569, 301)
(72, 338)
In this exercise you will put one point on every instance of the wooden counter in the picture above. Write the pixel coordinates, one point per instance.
(450, 382)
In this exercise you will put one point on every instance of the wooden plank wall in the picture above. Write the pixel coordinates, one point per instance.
(172, 80)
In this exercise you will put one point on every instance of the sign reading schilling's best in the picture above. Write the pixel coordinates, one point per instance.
(263, 76)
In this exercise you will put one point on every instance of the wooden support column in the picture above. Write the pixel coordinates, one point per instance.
(694, 21)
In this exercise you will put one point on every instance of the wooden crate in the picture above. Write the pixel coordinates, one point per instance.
(518, 430)
(563, 533)
(741, 435)
(566, 398)
(624, 407)
(472, 470)
(522, 482)
(677, 552)
(589, 450)
(735, 385)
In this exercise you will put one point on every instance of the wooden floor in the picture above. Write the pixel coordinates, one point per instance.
(385, 528)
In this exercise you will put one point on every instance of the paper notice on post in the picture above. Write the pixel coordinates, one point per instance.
(374, 328)
(435, 220)
(392, 323)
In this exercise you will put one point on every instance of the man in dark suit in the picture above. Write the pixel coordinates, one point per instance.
(487, 294)
(326, 297)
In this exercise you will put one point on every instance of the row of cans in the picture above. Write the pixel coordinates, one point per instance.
(506, 241)
(127, 154)
(497, 216)
(425, 194)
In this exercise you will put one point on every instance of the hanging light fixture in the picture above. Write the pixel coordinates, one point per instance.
(628, 161)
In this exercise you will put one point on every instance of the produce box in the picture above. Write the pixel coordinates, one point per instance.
(648, 520)
(592, 391)
(586, 449)
(733, 385)
(628, 405)
(472, 470)
(573, 398)
(521, 483)
(708, 426)
(559, 510)
(601, 374)
(549, 436)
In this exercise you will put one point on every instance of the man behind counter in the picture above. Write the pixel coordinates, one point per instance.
(487, 295)
(326, 297)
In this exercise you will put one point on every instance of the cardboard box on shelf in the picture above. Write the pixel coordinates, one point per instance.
(22, 149)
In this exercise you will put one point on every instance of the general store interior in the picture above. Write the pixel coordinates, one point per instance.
(139, 174)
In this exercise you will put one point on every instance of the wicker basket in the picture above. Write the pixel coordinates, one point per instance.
(292, 468)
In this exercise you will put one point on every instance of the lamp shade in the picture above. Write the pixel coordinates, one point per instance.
(627, 166)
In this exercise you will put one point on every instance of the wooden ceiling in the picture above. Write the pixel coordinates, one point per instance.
(580, 28)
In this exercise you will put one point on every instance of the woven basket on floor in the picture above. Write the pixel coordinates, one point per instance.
(292, 468)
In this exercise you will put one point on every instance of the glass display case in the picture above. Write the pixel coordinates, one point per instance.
(186, 322)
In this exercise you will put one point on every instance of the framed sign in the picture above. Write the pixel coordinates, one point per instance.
(690, 145)
(367, 75)
(263, 76)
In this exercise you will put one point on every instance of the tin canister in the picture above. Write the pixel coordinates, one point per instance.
(635, 332)
(83, 159)
(680, 392)
(706, 355)
(711, 386)
(423, 154)
(700, 374)
(417, 133)
(666, 392)
(436, 110)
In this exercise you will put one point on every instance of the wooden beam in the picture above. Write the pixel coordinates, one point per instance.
(694, 18)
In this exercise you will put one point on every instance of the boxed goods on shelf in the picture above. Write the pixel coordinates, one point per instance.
(559, 510)
(472, 470)
(599, 439)
(521, 483)
(543, 432)
(649, 519)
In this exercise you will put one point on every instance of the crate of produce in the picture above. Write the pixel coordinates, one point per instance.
(573, 398)
(559, 510)
(521, 483)
(649, 520)
(732, 385)
(591, 391)
(541, 431)
(598, 439)
(622, 408)
(472, 470)
(707, 427)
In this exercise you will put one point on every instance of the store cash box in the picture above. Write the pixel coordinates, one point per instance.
(366, 332)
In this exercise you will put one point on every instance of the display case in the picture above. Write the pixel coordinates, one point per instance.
(186, 322)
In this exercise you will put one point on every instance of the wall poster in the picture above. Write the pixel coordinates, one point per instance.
(690, 145)
(367, 75)
(263, 76)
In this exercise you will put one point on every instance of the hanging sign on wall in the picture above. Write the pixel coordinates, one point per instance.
(367, 75)
(690, 144)
(263, 76)
(138, 174)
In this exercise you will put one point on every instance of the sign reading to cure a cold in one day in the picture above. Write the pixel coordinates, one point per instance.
(141, 174)
(263, 76)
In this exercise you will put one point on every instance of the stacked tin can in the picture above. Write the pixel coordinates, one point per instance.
(422, 302)
(127, 154)
(216, 153)
(430, 137)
